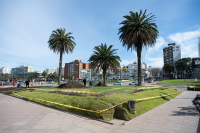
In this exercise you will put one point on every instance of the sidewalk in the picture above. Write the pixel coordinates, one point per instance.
(175, 116)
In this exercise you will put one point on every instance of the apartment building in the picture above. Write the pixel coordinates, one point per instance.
(133, 69)
(4, 70)
(53, 70)
(73, 69)
(172, 53)
(21, 71)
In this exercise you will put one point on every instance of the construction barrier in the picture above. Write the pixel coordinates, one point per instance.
(56, 103)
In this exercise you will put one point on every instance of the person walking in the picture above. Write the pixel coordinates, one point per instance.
(84, 81)
(27, 83)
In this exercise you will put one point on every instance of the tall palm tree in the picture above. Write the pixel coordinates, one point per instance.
(104, 57)
(138, 31)
(61, 42)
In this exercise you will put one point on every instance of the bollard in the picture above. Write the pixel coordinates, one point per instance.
(132, 106)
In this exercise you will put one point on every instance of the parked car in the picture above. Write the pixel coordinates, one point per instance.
(150, 81)
(117, 83)
(133, 83)
(50, 82)
(64, 82)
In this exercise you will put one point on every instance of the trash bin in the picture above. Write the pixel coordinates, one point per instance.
(132, 106)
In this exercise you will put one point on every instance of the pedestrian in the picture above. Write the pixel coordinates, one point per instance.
(84, 81)
(27, 83)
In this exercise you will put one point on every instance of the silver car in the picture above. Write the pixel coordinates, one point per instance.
(50, 82)
(133, 83)
(64, 82)
(117, 83)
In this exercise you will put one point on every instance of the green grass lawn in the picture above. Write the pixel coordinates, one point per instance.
(96, 89)
(100, 103)
(179, 81)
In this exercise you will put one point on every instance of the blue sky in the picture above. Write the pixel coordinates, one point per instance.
(27, 24)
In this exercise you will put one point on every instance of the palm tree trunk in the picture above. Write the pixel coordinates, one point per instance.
(60, 66)
(139, 50)
(104, 76)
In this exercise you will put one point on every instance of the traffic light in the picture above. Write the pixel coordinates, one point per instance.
(102, 77)
(73, 77)
(121, 77)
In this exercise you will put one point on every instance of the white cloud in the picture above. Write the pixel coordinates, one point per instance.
(125, 62)
(155, 61)
(187, 41)
(160, 42)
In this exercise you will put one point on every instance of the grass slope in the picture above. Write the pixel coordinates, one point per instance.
(104, 102)
(179, 81)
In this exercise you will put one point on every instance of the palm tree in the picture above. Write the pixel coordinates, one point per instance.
(104, 57)
(138, 31)
(60, 42)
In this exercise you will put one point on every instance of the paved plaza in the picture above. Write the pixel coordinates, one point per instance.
(175, 116)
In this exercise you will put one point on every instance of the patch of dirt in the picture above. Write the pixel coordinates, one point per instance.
(101, 84)
(82, 94)
(71, 85)
(135, 91)
(8, 91)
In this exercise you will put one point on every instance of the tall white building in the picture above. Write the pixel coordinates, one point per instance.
(62, 70)
(52, 70)
(21, 71)
(4, 70)
(172, 53)
(199, 47)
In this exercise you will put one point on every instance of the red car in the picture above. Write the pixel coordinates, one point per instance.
(150, 81)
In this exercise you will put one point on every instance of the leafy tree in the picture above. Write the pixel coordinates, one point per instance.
(188, 65)
(138, 31)
(17, 77)
(62, 43)
(69, 77)
(168, 67)
(44, 74)
(104, 57)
